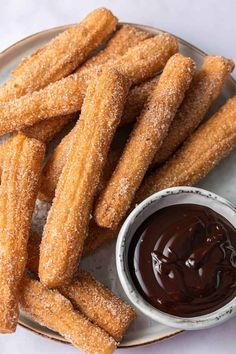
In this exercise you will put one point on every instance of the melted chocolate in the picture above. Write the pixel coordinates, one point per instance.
(182, 260)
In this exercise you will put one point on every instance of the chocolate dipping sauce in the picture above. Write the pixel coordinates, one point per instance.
(182, 260)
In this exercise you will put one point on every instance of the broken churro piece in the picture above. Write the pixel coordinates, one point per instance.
(146, 137)
(209, 144)
(61, 56)
(18, 191)
(204, 89)
(53, 310)
(66, 96)
(68, 218)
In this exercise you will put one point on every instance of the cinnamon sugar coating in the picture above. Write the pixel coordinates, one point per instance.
(146, 137)
(18, 191)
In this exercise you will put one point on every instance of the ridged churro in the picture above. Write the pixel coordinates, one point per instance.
(146, 137)
(125, 38)
(61, 56)
(65, 96)
(18, 191)
(68, 218)
(136, 100)
(53, 310)
(89, 296)
(204, 89)
(209, 144)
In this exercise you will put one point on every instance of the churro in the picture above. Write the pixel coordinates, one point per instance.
(65, 96)
(19, 188)
(68, 218)
(89, 296)
(146, 137)
(53, 310)
(204, 89)
(61, 56)
(208, 145)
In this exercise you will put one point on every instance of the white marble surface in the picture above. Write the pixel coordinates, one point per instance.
(208, 24)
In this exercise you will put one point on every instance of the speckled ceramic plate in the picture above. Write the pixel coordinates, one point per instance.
(102, 264)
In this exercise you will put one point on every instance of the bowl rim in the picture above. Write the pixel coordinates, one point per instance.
(123, 241)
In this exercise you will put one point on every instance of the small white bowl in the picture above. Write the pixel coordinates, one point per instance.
(170, 196)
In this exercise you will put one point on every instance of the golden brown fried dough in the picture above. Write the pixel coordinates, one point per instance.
(18, 191)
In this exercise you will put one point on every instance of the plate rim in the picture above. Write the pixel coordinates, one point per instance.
(148, 28)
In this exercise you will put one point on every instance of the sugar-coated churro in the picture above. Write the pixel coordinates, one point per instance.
(61, 56)
(65, 96)
(68, 218)
(92, 298)
(19, 188)
(53, 310)
(209, 144)
(136, 99)
(125, 38)
(146, 137)
(204, 89)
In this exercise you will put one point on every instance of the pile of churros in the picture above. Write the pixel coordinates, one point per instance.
(137, 80)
